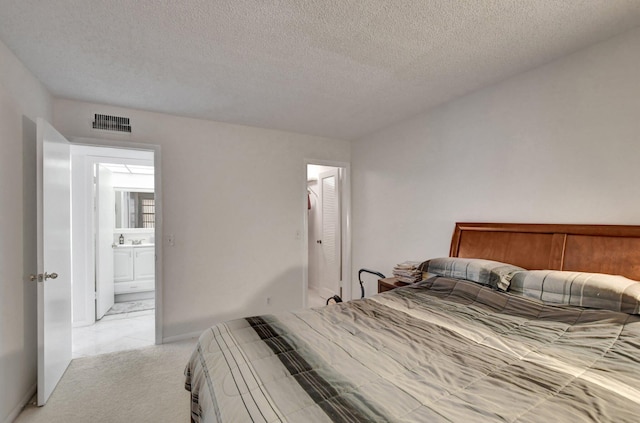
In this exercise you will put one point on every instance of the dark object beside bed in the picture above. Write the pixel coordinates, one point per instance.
(441, 350)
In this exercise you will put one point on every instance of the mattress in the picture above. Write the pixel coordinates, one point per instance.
(441, 350)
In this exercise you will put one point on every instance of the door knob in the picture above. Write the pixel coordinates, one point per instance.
(319, 241)
(40, 277)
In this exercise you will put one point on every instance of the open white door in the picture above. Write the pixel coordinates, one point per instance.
(105, 224)
(331, 241)
(54, 258)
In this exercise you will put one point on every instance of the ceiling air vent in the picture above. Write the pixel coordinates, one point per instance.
(111, 123)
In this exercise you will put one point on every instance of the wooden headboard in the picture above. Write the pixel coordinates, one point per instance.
(612, 249)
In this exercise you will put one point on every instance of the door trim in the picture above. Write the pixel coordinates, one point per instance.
(159, 237)
(345, 227)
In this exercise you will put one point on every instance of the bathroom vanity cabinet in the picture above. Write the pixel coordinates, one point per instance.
(134, 268)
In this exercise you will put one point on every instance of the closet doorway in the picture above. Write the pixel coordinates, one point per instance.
(114, 249)
(327, 211)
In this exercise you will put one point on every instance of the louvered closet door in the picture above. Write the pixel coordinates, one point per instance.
(330, 263)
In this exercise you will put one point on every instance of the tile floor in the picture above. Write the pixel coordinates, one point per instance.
(314, 299)
(117, 332)
(127, 331)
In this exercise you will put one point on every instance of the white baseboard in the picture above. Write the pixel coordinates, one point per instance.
(83, 323)
(25, 399)
(135, 296)
(182, 337)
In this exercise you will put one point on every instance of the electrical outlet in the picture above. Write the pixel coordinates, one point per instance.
(268, 300)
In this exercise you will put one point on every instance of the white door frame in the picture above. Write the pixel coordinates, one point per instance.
(345, 228)
(84, 223)
(157, 162)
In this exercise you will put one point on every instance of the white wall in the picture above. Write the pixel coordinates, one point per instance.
(560, 143)
(22, 99)
(233, 199)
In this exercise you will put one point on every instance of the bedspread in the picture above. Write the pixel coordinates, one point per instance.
(440, 350)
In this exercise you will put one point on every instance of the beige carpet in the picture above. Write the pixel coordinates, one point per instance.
(145, 385)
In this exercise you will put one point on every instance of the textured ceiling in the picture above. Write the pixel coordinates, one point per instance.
(335, 68)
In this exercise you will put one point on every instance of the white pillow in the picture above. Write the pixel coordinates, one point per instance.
(495, 274)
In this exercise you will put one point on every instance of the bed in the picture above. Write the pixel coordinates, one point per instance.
(453, 348)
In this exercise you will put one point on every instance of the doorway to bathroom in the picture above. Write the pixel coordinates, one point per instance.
(113, 249)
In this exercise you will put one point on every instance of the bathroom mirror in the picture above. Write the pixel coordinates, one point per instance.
(135, 209)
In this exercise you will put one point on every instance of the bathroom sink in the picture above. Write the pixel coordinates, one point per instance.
(145, 244)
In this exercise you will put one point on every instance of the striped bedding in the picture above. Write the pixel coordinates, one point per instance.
(442, 350)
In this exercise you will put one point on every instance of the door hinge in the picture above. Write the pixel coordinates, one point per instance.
(95, 295)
